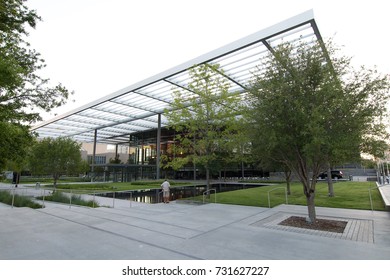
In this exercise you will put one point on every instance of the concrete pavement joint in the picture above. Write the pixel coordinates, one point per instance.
(137, 218)
(125, 237)
(225, 225)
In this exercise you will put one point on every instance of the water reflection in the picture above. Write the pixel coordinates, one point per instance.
(155, 195)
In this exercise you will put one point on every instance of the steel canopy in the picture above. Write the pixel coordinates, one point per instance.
(136, 108)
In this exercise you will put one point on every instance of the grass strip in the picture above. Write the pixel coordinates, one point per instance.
(350, 195)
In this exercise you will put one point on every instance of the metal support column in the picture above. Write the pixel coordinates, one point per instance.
(94, 154)
(158, 146)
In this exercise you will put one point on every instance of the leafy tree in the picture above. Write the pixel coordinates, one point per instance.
(22, 90)
(311, 108)
(204, 117)
(237, 148)
(14, 142)
(60, 156)
(115, 160)
(84, 167)
(20, 85)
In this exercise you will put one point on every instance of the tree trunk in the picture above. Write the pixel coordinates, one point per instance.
(194, 171)
(55, 182)
(308, 183)
(208, 181)
(17, 181)
(287, 175)
(288, 187)
(311, 207)
(309, 191)
(242, 170)
(330, 182)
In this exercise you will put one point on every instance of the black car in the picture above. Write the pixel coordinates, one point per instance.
(336, 174)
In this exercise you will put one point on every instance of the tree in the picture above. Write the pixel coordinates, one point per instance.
(237, 148)
(311, 108)
(60, 156)
(203, 116)
(20, 85)
(115, 160)
(15, 140)
(22, 90)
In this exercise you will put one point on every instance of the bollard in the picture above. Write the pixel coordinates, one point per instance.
(70, 199)
(13, 198)
(44, 193)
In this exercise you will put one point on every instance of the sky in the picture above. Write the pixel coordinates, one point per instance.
(97, 47)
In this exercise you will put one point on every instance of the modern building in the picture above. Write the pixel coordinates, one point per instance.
(134, 116)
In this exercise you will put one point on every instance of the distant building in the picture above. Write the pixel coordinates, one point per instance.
(105, 153)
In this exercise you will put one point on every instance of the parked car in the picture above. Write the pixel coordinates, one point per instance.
(336, 174)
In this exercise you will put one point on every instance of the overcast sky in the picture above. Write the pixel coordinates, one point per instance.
(96, 47)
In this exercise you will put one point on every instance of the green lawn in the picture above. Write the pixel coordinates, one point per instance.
(126, 186)
(348, 194)
(354, 195)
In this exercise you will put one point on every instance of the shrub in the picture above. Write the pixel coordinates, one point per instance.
(19, 201)
(64, 198)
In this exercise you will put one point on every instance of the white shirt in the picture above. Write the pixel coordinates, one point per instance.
(165, 186)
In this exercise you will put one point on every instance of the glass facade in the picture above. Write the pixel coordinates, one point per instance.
(142, 162)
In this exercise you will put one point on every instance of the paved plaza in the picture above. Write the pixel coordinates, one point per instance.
(186, 231)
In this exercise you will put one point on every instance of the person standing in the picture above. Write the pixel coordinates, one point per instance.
(165, 186)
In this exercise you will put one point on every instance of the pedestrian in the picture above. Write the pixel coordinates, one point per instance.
(165, 186)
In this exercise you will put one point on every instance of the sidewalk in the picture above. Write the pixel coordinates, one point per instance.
(180, 231)
(385, 193)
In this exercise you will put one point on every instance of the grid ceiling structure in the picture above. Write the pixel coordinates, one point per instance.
(137, 108)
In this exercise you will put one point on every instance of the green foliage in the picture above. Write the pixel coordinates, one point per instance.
(19, 201)
(204, 117)
(14, 142)
(22, 90)
(60, 156)
(21, 87)
(49, 179)
(157, 183)
(84, 166)
(311, 108)
(74, 199)
(86, 187)
(148, 183)
(115, 160)
(368, 163)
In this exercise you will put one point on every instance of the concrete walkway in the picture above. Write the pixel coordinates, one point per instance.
(182, 231)
(385, 193)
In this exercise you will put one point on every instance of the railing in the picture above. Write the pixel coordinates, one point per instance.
(13, 198)
(37, 191)
(160, 193)
(269, 199)
(209, 191)
(369, 193)
(21, 191)
(131, 199)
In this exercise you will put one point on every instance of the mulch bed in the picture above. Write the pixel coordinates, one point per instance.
(320, 224)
